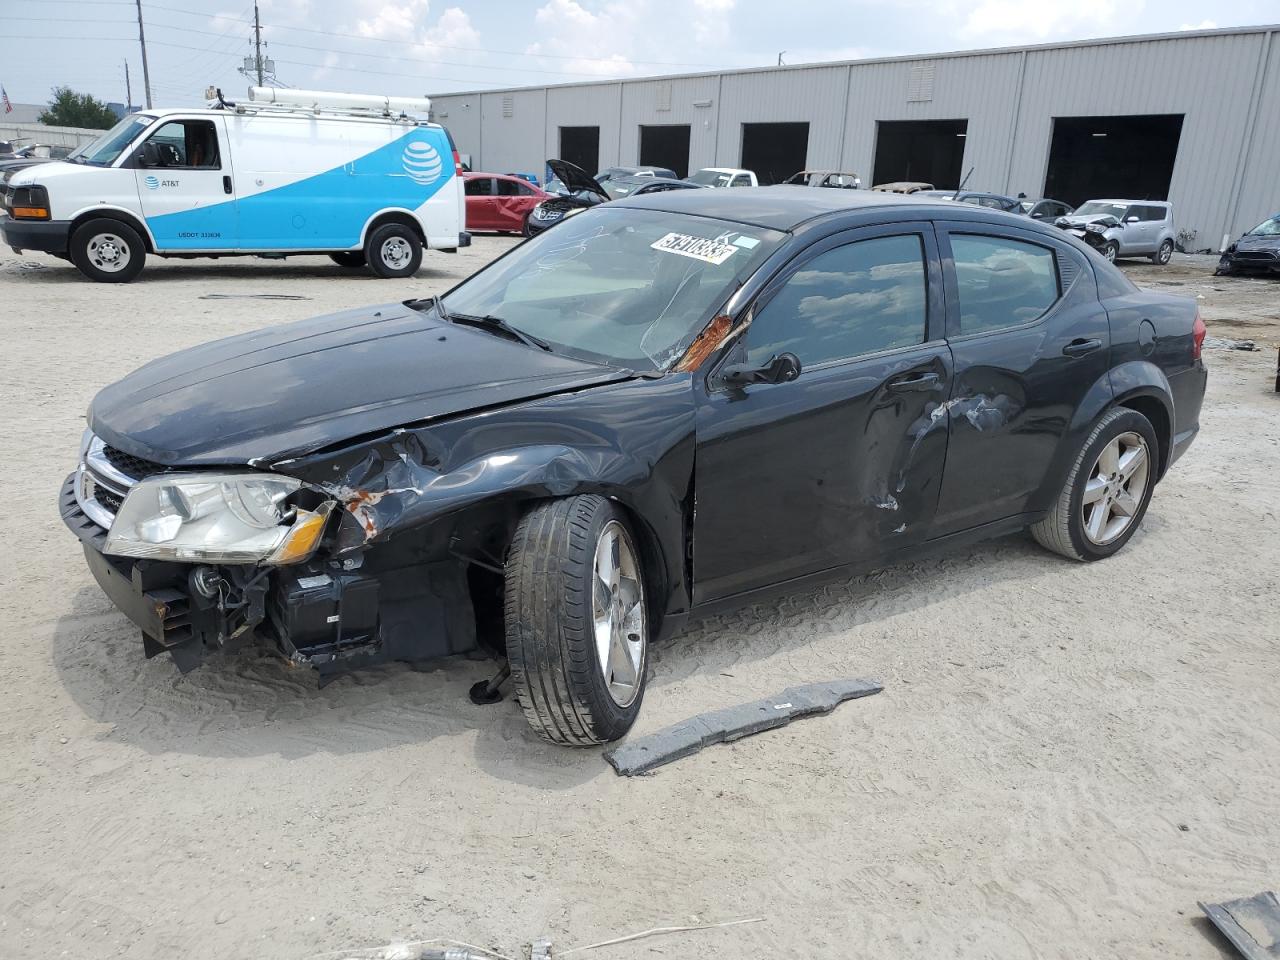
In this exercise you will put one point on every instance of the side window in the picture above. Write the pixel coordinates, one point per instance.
(1150, 214)
(860, 298)
(742, 180)
(189, 144)
(512, 188)
(478, 187)
(1002, 282)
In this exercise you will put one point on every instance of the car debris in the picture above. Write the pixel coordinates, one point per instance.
(686, 738)
(1243, 921)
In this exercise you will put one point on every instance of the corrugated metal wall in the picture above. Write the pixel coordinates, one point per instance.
(1225, 83)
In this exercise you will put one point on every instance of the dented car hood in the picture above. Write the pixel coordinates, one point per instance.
(266, 395)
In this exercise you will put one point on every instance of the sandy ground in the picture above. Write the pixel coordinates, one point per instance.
(1065, 757)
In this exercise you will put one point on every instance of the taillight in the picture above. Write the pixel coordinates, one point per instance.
(457, 163)
(1198, 331)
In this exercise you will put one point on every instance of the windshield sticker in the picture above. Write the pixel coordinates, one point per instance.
(746, 243)
(697, 248)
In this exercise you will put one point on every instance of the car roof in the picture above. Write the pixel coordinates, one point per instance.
(1153, 203)
(722, 170)
(646, 181)
(781, 207)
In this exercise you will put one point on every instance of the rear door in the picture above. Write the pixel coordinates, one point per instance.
(1029, 340)
(186, 185)
(844, 462)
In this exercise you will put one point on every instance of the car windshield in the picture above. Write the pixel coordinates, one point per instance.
(107, 148)
(711, 178)
(1267, 228)
(1096, 208)
(629, 288)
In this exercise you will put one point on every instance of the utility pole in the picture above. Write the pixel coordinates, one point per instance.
(257, 42)
(128, 88)
(146, 73)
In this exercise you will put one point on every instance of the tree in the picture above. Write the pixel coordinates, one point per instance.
(70, 109)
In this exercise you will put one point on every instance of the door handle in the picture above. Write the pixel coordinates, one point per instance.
(226, 184)
(913, 382)
(1079, 347)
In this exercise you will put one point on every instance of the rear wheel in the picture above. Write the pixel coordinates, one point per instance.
(1107, 492)
(108, 251)
(393, 251)
(351, 258)
(1163, 254)
(577, 627)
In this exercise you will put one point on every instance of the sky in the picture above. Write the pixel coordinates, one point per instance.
(416, 47)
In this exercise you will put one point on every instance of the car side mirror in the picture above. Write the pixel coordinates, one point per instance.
(782, 368)
(1130, 219)
(1037, 216)
(148, 155)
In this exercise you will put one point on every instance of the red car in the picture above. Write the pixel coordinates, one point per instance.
(499, 202)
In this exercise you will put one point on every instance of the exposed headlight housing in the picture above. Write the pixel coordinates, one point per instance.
(544, 213)
(1095, 228)
(216, 518)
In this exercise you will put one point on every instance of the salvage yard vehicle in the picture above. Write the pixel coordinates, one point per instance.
(1257, 251)
(723, 177)
(665, 406)
(1043, 209)
(832, 179)
(293, 171)
(581, 192)
(1124, 228)
(617, 173)
(500, 202)
(903, 186)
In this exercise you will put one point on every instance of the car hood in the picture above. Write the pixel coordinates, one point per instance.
(575, 178)
(1077, 220)
(298, 387)
(1258, 242)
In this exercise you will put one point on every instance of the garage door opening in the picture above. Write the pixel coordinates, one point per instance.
(775, 150)
(581, 146)
(1129, 158)
(666, 146)
(928, 151)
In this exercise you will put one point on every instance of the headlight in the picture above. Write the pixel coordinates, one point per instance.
(29, 203)
(216, 518)
(1095, 228)
(543, 213)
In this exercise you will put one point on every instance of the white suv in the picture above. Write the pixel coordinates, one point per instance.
(1125, 228)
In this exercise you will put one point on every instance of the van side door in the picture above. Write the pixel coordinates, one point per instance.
(185, 185)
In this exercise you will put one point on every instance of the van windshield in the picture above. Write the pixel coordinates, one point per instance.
(107, 148)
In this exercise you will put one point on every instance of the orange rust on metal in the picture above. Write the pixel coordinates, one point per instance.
(161, 609)
(704, 344)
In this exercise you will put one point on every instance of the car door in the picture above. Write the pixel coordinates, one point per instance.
(1029, 340)
(511, 203)
(844, 462)
(186, 185)
(479, 193)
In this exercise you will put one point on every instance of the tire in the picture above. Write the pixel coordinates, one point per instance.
(1110, 250)
(394, 251)
(1162, 256)
(570, 694)
(350, 258)
(1121, 489)
(108, 251)
(524, 229)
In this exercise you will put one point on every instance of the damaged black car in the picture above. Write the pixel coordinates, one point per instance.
(1257, 251)
(665, 406)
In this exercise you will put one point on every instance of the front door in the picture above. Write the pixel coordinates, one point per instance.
(1029, 340)
(844, 462)
(480, 199)
(186, 187)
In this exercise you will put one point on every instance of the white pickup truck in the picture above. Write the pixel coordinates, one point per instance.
(724, 177)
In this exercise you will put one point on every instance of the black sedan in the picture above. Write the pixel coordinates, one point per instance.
(666, 405)
(1258, 251)
(585, 192)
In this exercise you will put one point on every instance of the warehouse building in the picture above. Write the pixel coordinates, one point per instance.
(1191, 117)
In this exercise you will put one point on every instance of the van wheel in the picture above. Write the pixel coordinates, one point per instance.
(577, 626)
(108, 251)
(351, 258)
(1162, 256)
(393, 251)
(1107, 492)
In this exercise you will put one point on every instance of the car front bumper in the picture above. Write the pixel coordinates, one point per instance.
(49, 236)
(1246, 263)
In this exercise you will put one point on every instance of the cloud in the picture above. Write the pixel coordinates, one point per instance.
(1019, 20)
(394, 21)
(1202, 25)
(711, 20)
(568, 29)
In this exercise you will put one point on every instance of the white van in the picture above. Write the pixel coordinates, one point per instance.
(351, 176)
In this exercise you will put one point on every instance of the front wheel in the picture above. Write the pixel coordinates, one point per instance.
(1107, 492)
(108, 251)
(577, 626)
(1110, 250)
(1162, 256)
(394, 251)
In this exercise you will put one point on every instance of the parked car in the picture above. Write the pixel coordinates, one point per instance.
(1124, 228)
(575, 191)
(825, 178)
(1043, 209)
(259, 179)
(903, 186)
(1257, 251)
(994, 201)
(527, 177)
(639, 186)
(10, 149)
(723, 177)
(499, 201)
(511, 468)
(616, 173)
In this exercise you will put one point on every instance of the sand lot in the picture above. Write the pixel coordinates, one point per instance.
(1064, 759)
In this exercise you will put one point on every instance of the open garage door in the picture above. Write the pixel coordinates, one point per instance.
(775, 150)
(928, 151)
(581, 146)
(666, 146)
(1130, 158)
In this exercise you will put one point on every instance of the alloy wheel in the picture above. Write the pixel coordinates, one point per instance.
(618, 613)
(1113, 494)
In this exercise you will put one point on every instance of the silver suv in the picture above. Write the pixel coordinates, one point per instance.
(1125, 228)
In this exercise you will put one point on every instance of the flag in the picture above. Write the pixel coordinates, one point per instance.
(8, 107)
